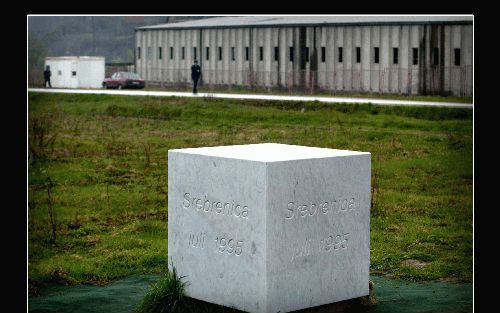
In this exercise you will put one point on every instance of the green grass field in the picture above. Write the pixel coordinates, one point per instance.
(106, 157)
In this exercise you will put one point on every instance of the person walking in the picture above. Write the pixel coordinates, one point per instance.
(195, 75)
(46, 76)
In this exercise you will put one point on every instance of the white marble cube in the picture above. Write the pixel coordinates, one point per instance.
(270, 227)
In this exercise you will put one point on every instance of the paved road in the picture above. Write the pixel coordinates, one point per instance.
(258, 97)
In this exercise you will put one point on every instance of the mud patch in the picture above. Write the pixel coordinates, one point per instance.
(415, 263)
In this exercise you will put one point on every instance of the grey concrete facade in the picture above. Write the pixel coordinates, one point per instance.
(443, 63)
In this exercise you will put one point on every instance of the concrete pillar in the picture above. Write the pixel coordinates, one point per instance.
(274, 65)
(217, 62)
(414, 43)
(148, 55)
(320, 43)
(340, 65)
(375, 67)
(467, 54)
(405, 59)
(184, 62)
(309, 44)
(356, 67)
(212, 43)
(448, 59)
(348, 58)
(138, 61)
(156, 56)
(268, 56)
(283, 56)
(226, 56)
(296, 57)
(395, 68)
(385, 58)
(330, 58)
(259, 65)
(366, 59)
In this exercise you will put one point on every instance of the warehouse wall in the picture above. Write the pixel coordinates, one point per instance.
(351, 73)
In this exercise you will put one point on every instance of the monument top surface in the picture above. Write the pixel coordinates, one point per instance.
(269, 152)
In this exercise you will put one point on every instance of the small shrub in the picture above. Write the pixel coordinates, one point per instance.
(116, 110)
(375, 206)
(51, 212)
(113, 110)
(147, 152)
(365, 303)
(165, 296)
(41, 137)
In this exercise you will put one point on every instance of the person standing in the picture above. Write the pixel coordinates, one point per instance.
(195, 75)
(46, 76)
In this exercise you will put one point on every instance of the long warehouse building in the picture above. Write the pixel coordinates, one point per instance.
(379, 54)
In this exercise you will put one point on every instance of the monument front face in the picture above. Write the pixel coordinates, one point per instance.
(216, 228)
(270, 227)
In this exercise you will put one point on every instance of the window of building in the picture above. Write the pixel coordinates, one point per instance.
(358, 54)
(276, 53)
(395, 55)
(233, 57)
(435, 56)
(207, 53)
(138, 52)
(59, 72)
(171, 53)
(73, 73)
(261, 53)
(340, 55)
(291, 54)
(220, 53)
(323, 54)
(194, 52)
(247, 53)
(415, 56)
(183, 52)
(159, 53)
(457, 56)
(306, 53)
(376, 55)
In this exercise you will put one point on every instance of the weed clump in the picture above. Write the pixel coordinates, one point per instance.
(165, 296)
(362, 304)
(42, 137)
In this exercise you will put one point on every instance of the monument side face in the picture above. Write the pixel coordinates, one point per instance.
(318, 231)
(217, 228)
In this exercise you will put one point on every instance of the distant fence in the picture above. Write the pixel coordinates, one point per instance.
(455, 80)
(35, 77)
(437, 80)
(118, 67)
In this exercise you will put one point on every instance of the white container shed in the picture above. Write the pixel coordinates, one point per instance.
(76, 71)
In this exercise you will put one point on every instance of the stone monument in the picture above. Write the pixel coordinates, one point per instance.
(270, 227)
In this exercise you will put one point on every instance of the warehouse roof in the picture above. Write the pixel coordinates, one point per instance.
(269, 21)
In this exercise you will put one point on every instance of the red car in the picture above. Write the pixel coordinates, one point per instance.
(121, 80)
